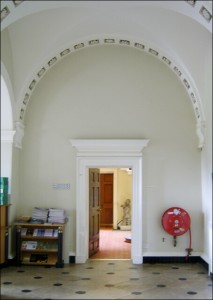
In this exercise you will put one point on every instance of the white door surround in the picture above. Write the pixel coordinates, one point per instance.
(108, 154)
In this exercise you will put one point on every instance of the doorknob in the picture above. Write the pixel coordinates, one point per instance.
(99, 209)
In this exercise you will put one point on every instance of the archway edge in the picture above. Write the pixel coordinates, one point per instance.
(145, 47)
(8, 102)
(108, 153)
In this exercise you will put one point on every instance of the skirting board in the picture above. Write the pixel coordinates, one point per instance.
(175, 259)
(166, 259)
(125, 227)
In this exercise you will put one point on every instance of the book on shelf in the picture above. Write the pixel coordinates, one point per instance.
(23, 231)
(29, 245)
(39, 258)
(39, 232)
(48, 232)
(55, 232)
(44, 245)
(26, 259)
(45, 232)
(35, 232)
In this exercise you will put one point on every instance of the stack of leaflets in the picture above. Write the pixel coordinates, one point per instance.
(29, 245)
(56, 215)
(22, 219)
(45, 232)
(23, 231)
(39, 215)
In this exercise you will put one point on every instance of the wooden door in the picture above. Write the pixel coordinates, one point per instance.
(94, 210)
(106, 200)
(2, 233)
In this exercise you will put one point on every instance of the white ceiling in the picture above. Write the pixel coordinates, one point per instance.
(39, 31)
(188, 8)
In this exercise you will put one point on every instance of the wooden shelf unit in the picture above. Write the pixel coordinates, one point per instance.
(35, 245)
(4, 233)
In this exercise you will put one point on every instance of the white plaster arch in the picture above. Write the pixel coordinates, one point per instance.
(171, 62)
(7, 101)
(6, 110)
(11, 131)
(200, 11)
(7, 132)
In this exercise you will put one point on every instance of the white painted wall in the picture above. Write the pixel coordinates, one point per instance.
(114, 92)
(207, 175)
(6, 133)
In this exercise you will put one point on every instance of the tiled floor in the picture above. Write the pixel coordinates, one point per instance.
(107, 279)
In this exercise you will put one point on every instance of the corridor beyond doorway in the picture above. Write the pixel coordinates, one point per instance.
(113, 244)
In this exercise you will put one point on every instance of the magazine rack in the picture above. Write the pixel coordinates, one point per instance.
(39, 244)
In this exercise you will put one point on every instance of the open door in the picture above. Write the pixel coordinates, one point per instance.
(106, 198)
(94, 210)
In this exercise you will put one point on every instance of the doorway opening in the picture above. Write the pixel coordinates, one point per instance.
(115, 214)
(113, 154)
(113, 244)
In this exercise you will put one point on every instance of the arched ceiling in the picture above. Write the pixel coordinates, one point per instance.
(11, 11)
(168, 30)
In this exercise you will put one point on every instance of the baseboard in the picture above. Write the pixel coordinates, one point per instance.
(170, 259)
(175, 259)
(204, 263)
(3, 265)
(146, 259)
(72, 259)
(8, 263)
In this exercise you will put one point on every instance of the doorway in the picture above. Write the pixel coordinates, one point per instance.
(114, 237)
(114, 154)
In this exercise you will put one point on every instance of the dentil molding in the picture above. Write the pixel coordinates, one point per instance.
(109, 147)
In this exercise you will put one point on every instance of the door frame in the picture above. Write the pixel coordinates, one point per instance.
(108, 154)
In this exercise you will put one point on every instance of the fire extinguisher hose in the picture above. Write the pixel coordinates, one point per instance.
(190, 244)
(190, 239)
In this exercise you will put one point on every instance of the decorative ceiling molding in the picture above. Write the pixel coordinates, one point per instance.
(181, 73)
(201, 11)
(8, 8)
(12, 11)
